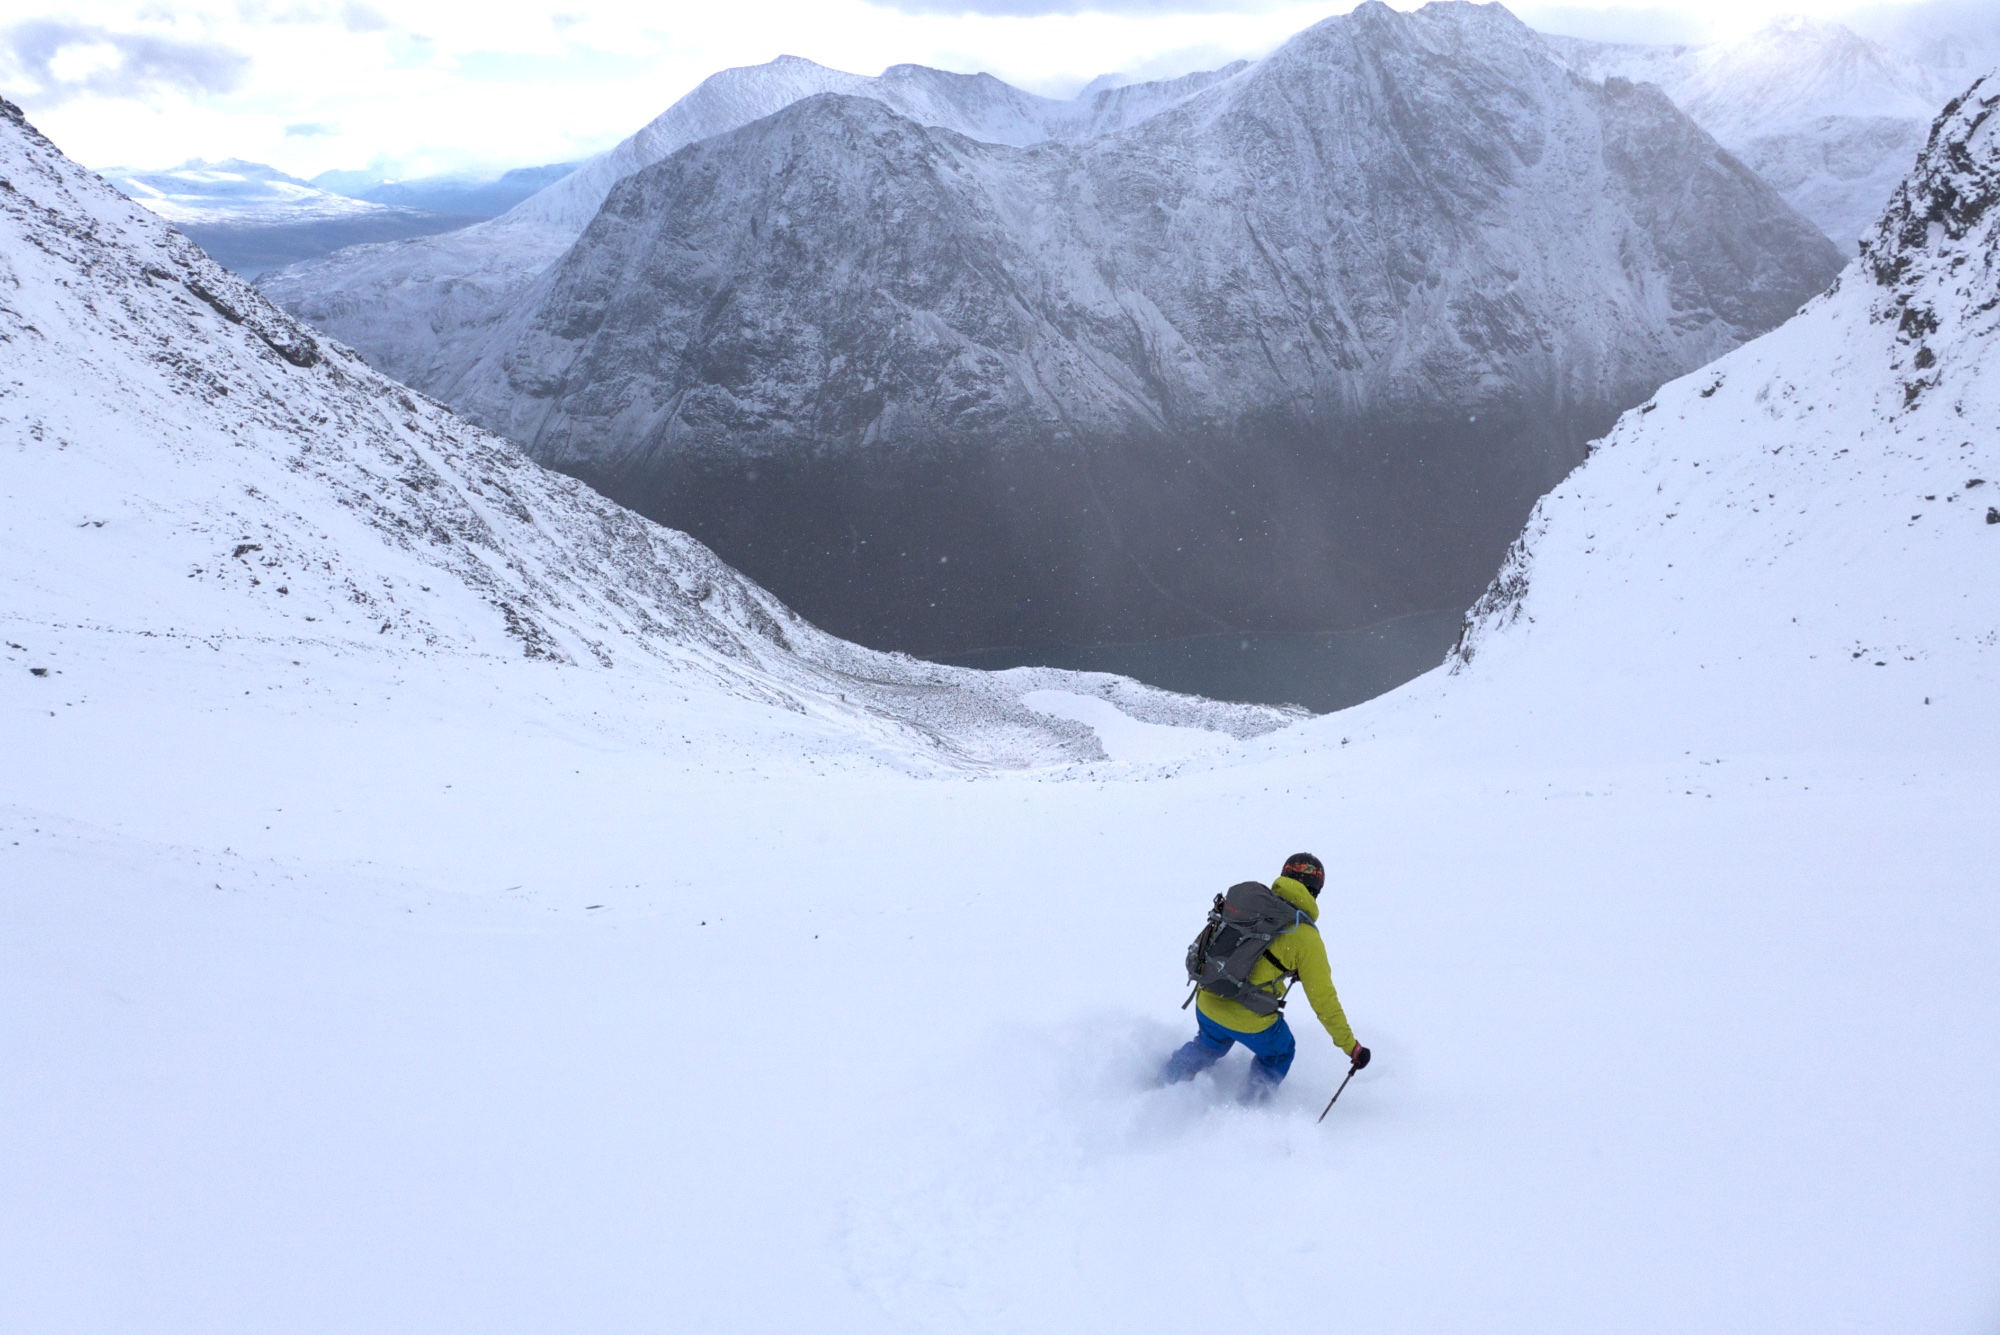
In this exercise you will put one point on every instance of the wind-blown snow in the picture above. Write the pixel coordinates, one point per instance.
(385, 991)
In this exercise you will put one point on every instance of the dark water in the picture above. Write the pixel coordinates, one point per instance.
(1323, 672)
(943, 552)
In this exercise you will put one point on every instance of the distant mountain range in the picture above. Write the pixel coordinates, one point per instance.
(1831, 117)
(255, 485)
(410, 308)
(252, 217)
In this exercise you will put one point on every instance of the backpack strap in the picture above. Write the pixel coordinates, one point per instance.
(1284, 971)
(1283, 982)
(1298, 920)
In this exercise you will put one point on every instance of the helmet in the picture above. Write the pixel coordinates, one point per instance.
(1307, 870)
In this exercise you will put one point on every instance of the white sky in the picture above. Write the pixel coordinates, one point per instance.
(430, 85)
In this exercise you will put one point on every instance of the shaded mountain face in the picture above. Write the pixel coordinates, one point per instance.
(188, 463)
(1296, 354)
(415, 308)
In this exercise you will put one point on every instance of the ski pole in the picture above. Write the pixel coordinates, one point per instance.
(1336, 1093)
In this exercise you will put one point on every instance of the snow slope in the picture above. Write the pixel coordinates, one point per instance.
(192, 463)
(488, 994)
(409, 306)
(235, 191)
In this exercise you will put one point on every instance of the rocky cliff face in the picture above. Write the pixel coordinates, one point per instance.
(1298, 352)
(1935, 254)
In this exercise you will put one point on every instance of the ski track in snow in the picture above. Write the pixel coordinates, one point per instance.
(349, 988)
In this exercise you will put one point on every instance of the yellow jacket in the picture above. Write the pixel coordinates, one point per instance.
(1301, 951)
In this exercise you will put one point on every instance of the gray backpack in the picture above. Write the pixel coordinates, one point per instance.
(1241, 927)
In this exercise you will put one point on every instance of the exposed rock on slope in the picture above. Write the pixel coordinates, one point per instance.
(1818, 503)
(1297, 353)
(184, 460)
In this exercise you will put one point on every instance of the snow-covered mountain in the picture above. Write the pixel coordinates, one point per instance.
(1830, 117)
(978, 106)
(409, 307)
(189, 463)
(1297, 353)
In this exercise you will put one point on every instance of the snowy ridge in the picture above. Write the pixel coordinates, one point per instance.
(1819, 504)
(191, 463)
(408, 305)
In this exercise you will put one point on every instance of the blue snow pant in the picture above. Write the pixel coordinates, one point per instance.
(1274, 1047)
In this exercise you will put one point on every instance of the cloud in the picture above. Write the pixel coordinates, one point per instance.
(310, 130)
(58, 60)
(363, 18)
(1668, 26)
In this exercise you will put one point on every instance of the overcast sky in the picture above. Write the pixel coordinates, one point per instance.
(430, 85)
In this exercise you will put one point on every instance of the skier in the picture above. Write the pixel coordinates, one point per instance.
(1296, 952)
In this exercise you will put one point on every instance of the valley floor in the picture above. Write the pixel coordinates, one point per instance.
(345, 993)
